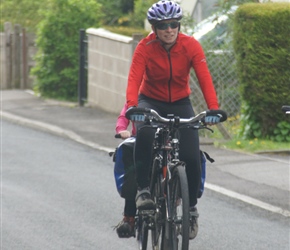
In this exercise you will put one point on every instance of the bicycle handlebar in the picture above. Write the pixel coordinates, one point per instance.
(199, 117)
(118, 136)
(286, 109)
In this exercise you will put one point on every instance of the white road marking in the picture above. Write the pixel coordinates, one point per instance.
(248, 199)
(71, 135)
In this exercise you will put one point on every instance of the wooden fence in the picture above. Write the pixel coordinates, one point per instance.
(17, 60)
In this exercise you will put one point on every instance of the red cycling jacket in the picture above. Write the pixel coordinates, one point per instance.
(164, 75)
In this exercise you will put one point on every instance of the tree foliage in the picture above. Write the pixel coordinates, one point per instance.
(140, 12)
(113, 11)
(225, 5)
(24, 12)
(28, 13)
(58, 46)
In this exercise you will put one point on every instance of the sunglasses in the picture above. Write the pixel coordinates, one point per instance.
(164, 26)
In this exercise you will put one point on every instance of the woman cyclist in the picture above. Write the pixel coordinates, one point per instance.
(159, 79)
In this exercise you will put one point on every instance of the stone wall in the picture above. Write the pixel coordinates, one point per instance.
(109, 59)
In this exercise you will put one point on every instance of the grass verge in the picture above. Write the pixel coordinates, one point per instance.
(237, 143)
(254, 146)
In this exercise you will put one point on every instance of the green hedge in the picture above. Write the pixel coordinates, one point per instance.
(126, 31)
(262, 48)
(57, 64)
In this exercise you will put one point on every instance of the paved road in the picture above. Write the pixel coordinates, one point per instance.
(60, 195)
(256, 179)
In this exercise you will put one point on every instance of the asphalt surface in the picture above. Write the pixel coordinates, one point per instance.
(260, 180)
(59, 195)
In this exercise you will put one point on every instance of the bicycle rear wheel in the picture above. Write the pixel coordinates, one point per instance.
(179, 202)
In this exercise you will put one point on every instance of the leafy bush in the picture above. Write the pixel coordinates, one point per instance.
(24, 12)
(126, 31)
(261, 43)
(282, 132)
(225, 5)
(113, 10)
(58, 46)
(140, 12)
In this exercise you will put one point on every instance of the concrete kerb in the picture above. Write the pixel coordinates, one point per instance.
(53, 129)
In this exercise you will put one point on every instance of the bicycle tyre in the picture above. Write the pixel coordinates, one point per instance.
(142, 233)
(179, 202)
(157, 232)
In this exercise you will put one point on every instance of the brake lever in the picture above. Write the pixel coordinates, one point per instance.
(203, 125)
(206, 127)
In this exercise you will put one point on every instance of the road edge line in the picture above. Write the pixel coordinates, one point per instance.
(71, 135)
(248, 199)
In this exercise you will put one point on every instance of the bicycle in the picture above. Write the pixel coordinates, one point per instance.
(169, 222)
(286, 109)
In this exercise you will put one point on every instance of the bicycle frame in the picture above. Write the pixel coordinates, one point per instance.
(165, 158)
(168, 184)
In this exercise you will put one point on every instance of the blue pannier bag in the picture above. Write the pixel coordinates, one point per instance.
(124, 170)
(203, 157)
(125, 174)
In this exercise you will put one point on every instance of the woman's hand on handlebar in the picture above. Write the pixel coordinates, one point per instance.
(133, 116)
(215, 116)
(211, 120)
(137, 118)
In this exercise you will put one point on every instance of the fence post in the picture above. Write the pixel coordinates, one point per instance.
(82, 85)
(226, 135)
(8, 54)
(136, 39)
(16, 57)
(24, 60)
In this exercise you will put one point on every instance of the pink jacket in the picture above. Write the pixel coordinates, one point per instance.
(123, 122)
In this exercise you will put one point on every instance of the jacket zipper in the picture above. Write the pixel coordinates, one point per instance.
(170, 76)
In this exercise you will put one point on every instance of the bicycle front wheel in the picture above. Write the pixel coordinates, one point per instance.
(142, 233)
(179, 203)
(157, 230)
